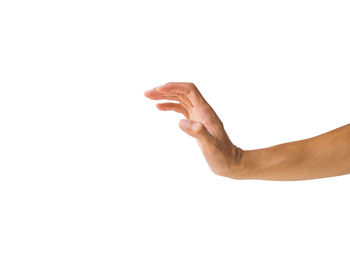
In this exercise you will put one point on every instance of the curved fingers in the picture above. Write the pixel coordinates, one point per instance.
(173, 107)
(176, 87)
(157, 95)
(188, 90)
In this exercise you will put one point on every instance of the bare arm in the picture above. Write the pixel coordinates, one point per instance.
(322, 156)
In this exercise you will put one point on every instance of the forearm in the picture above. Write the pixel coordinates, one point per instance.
(322, 156)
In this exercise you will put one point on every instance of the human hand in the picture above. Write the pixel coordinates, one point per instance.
(201, 123)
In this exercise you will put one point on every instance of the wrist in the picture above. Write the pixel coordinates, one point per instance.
(239, 167)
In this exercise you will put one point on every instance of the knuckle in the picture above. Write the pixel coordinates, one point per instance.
(191, 85)
(198, 127)
(191, 88)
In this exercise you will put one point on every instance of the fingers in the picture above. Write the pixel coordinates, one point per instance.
(156, 95)
(199, 131)
(186, 89)
(173, 107)
(176, 88)
(186, 93)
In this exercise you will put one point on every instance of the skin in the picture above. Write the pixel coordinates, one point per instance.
(325, 155)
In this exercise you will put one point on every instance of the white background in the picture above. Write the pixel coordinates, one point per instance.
(95, 183)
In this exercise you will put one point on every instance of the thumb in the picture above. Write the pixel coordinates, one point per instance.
(197, 130)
